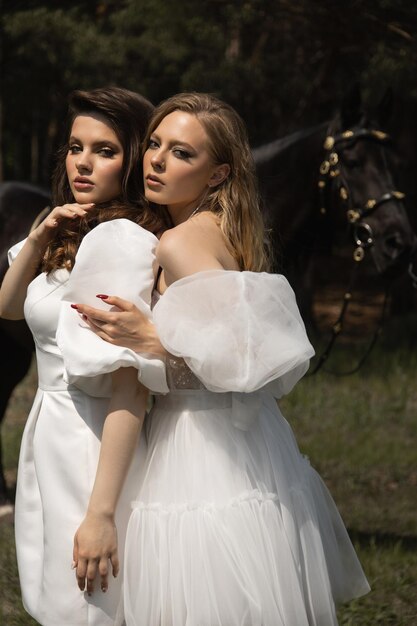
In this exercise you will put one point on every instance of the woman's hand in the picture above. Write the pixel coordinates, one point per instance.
(125, 325)
(46, 229)
(95, 543)
(26, 265)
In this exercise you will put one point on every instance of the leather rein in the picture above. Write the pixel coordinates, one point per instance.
(363, 237)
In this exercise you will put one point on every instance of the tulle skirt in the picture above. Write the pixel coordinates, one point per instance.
(233, 527)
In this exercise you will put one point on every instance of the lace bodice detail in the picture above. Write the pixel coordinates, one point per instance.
(179, 375)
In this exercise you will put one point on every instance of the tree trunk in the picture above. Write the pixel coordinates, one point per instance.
(34, 153)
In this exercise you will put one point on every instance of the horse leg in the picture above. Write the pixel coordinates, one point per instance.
(302, 279)
(12, 370)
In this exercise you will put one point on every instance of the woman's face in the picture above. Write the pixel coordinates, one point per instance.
(177, 166)
(94, 160)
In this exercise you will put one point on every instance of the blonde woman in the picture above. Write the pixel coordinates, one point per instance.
(232, 526)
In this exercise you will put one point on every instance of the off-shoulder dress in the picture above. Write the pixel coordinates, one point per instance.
(232, 525)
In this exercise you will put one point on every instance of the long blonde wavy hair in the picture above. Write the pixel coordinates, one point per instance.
(236, 199)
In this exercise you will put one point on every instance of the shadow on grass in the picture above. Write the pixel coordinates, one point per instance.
(382, 540)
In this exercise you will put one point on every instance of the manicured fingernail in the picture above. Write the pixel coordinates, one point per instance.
(104, 589)
(85, 317)
(102, 296)
(74, 306)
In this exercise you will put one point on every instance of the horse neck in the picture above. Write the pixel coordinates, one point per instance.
(306, 142)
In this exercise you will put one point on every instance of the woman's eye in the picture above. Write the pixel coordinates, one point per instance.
(181, 154)
(152, 144)
(74, 149)
(107, 152)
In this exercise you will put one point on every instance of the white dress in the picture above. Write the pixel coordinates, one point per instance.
(232, 526)
(61, 441)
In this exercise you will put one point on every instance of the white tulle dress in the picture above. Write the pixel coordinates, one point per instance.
(232, 526)
(61, 441)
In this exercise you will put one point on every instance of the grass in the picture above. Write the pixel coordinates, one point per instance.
(11, 609)
(359, 433)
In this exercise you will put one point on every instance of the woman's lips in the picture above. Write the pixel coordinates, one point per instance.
(153, 181)
(81, 185)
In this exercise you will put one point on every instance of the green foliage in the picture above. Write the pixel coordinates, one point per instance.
(283, 65)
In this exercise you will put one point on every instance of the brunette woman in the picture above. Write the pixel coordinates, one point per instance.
(97, 190)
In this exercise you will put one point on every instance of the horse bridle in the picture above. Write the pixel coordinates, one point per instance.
(361, 231)
(329, 170)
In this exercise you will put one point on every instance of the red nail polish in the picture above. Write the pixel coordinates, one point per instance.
(102, 296)
(84, 317)
(74, 306)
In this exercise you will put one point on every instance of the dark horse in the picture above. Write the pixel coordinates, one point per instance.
(332, 186)
(20, 205)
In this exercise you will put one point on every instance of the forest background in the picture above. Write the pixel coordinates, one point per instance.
(283, 64)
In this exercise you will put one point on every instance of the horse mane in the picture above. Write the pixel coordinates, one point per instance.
(267, 151)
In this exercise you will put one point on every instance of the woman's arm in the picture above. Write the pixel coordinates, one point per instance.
(24, 269)
(95, 541)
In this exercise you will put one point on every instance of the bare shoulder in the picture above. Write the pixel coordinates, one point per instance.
(195, 245)
(200, 227)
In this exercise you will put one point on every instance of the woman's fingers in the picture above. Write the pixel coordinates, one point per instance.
(103, 569)
(123, 305)
(114, 560)
(67, 211)
(98, 329)
(124, 325)
(75, 553)
(91, 574)
(95, 542)
(87, 572)
(106, 324)
(81, 573)
(98, 315)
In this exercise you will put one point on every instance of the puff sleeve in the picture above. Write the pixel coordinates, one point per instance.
(14, 251)
(116, 257)
(237, 331)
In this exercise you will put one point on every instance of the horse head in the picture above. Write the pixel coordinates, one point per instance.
(20, 204)
(356, 178)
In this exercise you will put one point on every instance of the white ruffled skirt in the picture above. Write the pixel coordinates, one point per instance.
(233, 527)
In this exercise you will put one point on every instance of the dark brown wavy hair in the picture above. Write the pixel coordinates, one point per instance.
(128, 114)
